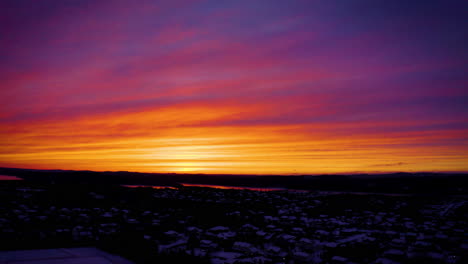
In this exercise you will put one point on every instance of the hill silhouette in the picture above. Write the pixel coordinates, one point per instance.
(418, 183)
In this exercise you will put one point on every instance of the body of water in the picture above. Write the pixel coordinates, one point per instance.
(265, 189)
(9, 178)
(149, 186)
(226, 187)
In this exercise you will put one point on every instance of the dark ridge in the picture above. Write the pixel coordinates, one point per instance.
(432, 183)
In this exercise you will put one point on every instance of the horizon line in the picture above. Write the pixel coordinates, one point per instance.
(255, 174)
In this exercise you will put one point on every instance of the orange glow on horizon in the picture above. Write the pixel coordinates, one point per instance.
(234, 87)
(193, 139)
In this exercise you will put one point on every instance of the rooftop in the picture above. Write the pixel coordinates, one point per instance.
(60, 256)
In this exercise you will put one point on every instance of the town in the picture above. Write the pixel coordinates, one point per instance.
(208, 225)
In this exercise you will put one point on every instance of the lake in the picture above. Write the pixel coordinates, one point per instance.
(9, 178)
(224, 187)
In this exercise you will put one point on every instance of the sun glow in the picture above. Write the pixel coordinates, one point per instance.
(265, 149)
(187, 167)
(284, 89)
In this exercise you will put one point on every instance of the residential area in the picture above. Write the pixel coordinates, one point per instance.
(207, 225)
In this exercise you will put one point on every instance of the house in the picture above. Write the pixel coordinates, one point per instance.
(208, 244)
(218, 229)
(177, 246)
(222, 257)
(339, 259)
(385, 261)
(244, 247)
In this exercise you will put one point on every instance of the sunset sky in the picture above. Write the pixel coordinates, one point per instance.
(259, 87)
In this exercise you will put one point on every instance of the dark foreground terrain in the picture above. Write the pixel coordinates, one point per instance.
(205, 225)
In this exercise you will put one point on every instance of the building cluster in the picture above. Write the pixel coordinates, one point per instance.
(241, 226)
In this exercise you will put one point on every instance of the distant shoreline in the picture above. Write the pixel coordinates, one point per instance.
(387, 184)
(9, 178)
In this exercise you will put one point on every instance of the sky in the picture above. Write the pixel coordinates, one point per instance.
(241, 87)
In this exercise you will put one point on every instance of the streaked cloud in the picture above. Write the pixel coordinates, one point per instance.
(234, 87)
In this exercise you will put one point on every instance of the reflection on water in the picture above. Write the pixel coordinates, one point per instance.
(234, 187)
(149, 186)
(225, 187)
(9, 178)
